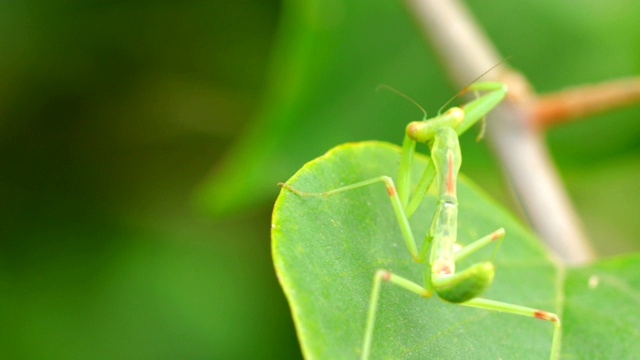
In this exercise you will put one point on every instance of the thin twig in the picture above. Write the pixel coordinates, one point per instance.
(581, 101)
(467, 52)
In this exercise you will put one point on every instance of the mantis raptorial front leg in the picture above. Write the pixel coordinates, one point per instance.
(438, 250)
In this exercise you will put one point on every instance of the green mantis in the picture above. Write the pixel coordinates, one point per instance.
(438, 250)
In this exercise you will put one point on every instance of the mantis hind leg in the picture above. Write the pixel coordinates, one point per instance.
(523, 311)
(464, 287)
(378, 278)
(486, 304)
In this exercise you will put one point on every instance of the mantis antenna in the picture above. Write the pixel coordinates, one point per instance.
(381, 86)
(464, 89)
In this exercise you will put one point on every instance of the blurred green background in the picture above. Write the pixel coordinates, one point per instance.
(141, 143)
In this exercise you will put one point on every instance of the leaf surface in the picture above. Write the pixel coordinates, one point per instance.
(326, 250)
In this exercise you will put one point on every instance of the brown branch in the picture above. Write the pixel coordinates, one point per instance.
(585, 100)
(467, 52)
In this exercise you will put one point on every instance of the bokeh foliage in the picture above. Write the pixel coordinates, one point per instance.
(333, 54)
(112, 113)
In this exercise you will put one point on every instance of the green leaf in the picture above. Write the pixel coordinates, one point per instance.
(326, 250)
(602, 310)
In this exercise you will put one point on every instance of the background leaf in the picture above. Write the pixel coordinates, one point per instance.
(111, 112)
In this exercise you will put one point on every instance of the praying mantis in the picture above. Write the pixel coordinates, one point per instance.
(438, 250)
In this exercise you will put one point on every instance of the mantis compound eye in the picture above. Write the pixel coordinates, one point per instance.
(455, 113)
